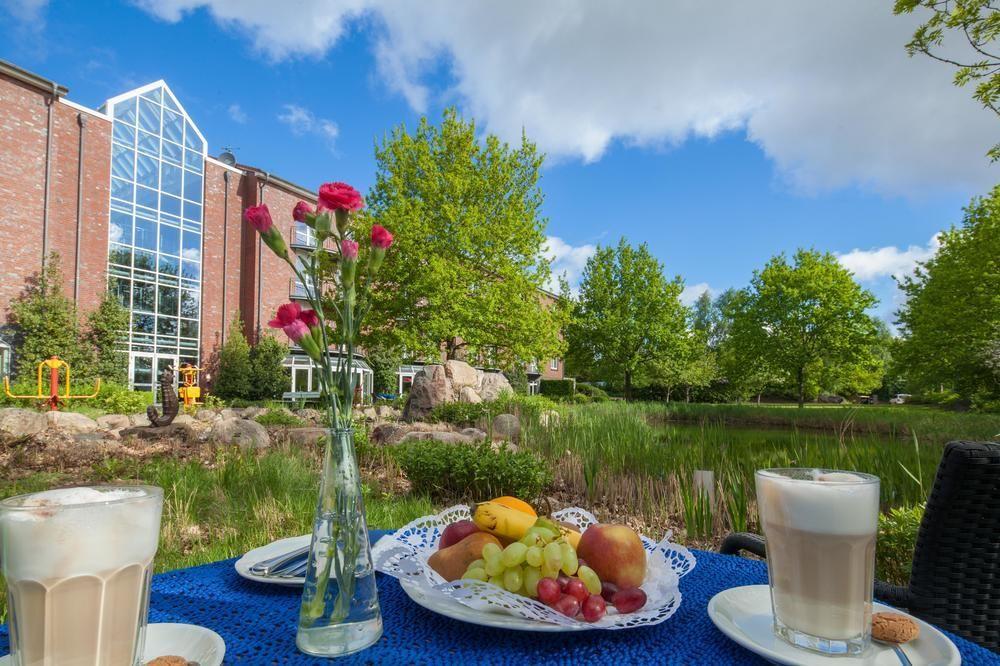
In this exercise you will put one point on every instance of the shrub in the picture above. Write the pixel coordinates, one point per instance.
(460, 413)
(581, 399)
(279, 417)
(518, 378)
(104, 333)
(596, 393)
(269, 378)
(557, 388)
(472, 472)
(897, 535)
(118, 399)
(385, 362)
(233, 377)
(210, 401)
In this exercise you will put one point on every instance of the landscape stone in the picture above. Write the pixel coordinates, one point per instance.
(139, 419)
(369, 413)
(310, 414)
(20, 422)
(244, 433)
(493, 385)
(474, 433)
(431, 387)
(389, 433)
(387, 412)
(251, 412)
(178, 431)
(185, 419)
(113, 421)
(206, 415)
(70, 422)
(306, 436)
(438, 436)
(506, 426)
(228, 413)
(461, 374)
(468, 394)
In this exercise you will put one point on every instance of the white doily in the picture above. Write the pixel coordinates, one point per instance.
(404, 554)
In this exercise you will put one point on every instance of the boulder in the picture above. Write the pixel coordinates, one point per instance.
(438, 436)
(178, 431)
(206, 415)
(139, 419)
(113, 421)
(228, 413)
(506, 426)
(389, 433)
(474, 434)
(243, 432)
(369, 413)
(461, 374)
(494, 384)
(70, 422)
(251, 412)
(431, 387)
(311, 415)
(185, 419)
(21, 422)
(306, 436)
(468, 394)
(387, 412)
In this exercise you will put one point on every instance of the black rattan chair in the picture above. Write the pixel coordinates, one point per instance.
(955, 580)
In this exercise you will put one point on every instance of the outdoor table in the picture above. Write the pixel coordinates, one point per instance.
(257, 621)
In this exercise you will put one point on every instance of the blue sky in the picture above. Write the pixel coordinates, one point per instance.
(653, 133)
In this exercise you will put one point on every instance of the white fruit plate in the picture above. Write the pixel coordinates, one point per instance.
(403, 555)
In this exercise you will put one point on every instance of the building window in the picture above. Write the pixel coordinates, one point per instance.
(554, 364)
(157, 184)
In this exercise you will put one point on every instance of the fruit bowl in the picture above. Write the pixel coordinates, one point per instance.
(404, 554)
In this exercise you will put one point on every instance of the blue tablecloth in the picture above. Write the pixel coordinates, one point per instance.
(258, 624)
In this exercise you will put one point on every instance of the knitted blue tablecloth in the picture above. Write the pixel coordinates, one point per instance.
(257, 621)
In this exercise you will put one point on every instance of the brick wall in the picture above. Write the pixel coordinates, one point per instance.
(221, 253)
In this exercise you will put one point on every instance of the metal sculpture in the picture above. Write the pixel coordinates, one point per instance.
(189, 391)
(54, 399)
(170, 405)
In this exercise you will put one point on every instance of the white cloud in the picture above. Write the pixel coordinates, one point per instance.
(567, 261)
(692, 292)
(868, 265)
(302, 122)
(29, 13)
(825, 89)
(237, 114)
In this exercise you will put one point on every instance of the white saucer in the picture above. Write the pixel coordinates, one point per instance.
(272, 549)
(744, 615)
(190, 641)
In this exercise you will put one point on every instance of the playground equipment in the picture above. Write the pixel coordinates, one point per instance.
(189, 391)
(54, 398)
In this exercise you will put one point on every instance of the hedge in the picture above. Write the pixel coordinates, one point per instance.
(557, 388)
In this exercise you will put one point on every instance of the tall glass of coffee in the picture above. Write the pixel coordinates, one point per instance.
(820, 527)
(78, 562)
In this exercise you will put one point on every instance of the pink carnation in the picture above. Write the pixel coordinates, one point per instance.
(296, 330)
(287, 314)
(301, 210)
(309, 318)
(381, 238)
(340, 196)
(259, 217)
(349, 249)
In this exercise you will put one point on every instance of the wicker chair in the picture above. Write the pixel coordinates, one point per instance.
(955, 580)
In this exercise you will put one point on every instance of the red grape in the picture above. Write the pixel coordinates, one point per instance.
(548, 591)
(576, 588)
(594, 608)
(629, 599)
(608, 590)
(563, 580)
(567, 605)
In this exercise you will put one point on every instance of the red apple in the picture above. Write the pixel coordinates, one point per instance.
(615, 552)
(456, 532)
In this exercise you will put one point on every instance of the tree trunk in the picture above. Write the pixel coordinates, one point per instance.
(802, 386)
(687, 394)
(628, 386)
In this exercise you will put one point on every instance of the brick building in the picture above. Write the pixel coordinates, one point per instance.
(129, 198)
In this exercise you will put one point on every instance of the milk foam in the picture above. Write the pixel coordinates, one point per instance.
(830, 503)
(74, 531)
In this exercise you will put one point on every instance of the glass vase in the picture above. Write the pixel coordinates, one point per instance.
(339, 614)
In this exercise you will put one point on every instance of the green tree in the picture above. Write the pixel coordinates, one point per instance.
(269, 378)
(797, 318)
(469, 255)
(951, 317)
(45, 324)
(105, 329)
(978, 22)
(233, 377)
(385, 362)
(628, 314)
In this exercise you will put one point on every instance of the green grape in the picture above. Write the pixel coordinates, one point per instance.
(543, 533)
(496, 580)
(549, 572)
(570, 562)
(590, 579)
(553, 556)
(494, 567)
(513, 579)
(513, 554)
(531, 577)
(478, 564)
(491, 551)
(533, 556)
(476, 573)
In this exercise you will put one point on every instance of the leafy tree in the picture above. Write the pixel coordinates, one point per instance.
(978, 21)
(233, 377)
(105, 326)
(468, 261)
(269, 378)
(385, 362)
(518, 378)
(798, 318)
(628, 314)
(952, 312)
(45, 324)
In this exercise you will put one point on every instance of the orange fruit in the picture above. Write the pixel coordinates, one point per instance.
(516, 504)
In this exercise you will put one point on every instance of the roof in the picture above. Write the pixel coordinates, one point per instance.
(271, 179)
(32, 79)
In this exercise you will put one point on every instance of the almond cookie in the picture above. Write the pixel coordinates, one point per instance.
(169, 660)
(894, 628)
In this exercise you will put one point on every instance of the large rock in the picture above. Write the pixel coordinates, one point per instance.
(493, 385)
(506, 426)
(140, 419)
(244, 433)
(174, 431)
(474, 434)
(387, 412)
(468, 394)
(70, 422)
(461, 374)
(206, 415)
(251, 412)
(185, 419)
(228, 413)
(113, 421)
(431, 387)
(306, 436)
(389, 433)
(438, 436)
(311, 415)
(21, 422)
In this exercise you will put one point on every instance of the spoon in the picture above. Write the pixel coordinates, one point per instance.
(903, 659)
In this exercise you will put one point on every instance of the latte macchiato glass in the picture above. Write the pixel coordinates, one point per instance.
(820, 527)
(78, 562)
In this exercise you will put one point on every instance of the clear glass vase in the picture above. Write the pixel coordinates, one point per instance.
(340, 612)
